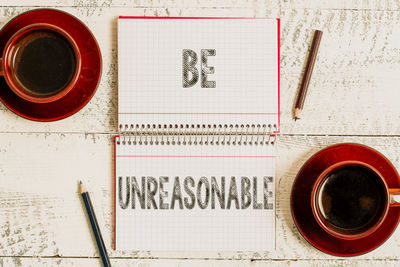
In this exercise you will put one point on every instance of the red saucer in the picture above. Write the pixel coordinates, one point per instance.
(301, 200)
(89, 76)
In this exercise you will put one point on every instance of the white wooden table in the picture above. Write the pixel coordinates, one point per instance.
(354, 96)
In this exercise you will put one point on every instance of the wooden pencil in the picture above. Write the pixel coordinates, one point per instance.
(307, 74)
(95, 225)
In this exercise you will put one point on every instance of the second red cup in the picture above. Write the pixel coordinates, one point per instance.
(350, 199)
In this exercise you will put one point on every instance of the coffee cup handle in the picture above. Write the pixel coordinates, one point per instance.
(394, 196)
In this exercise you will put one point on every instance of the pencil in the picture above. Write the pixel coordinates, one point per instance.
(307, 74)
(95, 225)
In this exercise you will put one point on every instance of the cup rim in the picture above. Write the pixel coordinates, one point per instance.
(314, 200)
(7, 73)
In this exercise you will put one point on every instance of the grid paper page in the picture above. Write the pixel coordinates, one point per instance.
(244, 57)
(191, 215)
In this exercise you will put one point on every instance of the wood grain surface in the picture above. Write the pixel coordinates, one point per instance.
(353, 97)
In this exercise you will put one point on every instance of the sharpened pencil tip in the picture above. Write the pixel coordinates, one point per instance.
(82, 188)
(296, 114)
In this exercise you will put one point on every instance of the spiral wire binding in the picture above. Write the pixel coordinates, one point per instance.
(197, 134)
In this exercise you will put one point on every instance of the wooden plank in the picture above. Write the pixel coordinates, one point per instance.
(41, 213)
(353, 89)
(231, 4)
(350, 4)
(89, 262)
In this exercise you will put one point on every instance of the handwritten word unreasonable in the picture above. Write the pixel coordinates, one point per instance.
(234, 192)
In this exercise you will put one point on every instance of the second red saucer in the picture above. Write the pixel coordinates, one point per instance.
(301, 200)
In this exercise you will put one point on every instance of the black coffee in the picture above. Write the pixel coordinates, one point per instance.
(45, 63)
(352, 199)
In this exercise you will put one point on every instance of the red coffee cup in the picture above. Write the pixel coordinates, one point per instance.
(41, 63)
(350, 199)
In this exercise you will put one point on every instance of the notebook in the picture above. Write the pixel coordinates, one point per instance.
(198, 112)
